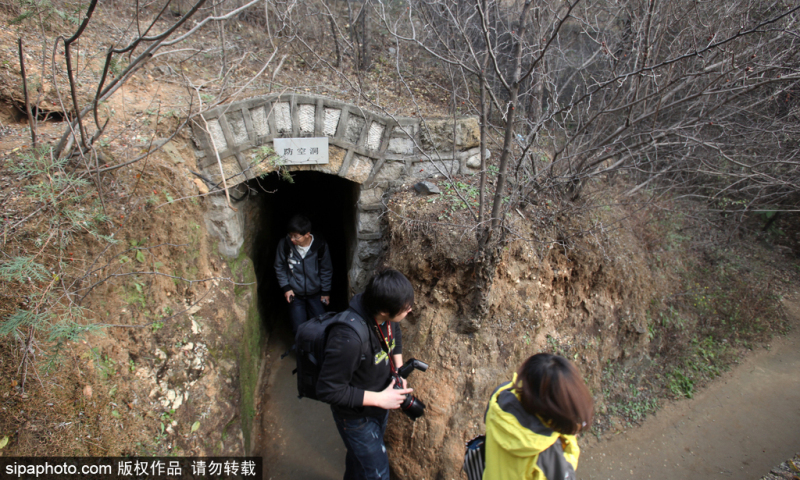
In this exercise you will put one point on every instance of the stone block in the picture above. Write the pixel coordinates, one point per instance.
(230, 168)
(199, 135)
(438, 134)
(225, 224)
(238, 128)
(331, 121)
(401, 146)
(354, 126)
(360, 168)
(369, 251)
(469, 153)
(260, 122)
(426, 188)
(390, 171)
(422, 170)
(283, 117)
(359, 276)
(369, 222)
(306, 118)
(468, 133)
(474, 158)
(405, 131)
(215, 130)
(335, 158)
(371, 196)
(375, 135)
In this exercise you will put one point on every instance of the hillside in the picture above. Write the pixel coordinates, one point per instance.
(138, 304)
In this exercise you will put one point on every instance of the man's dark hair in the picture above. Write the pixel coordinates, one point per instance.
(299, 224)
(551, 387)
(389, 292)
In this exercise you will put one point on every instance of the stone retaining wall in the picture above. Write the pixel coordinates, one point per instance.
(374, 150)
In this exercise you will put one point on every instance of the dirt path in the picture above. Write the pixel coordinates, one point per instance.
(301, 441)
(739, 427)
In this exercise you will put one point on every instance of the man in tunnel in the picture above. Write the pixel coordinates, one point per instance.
(304, 270)
(356, 377)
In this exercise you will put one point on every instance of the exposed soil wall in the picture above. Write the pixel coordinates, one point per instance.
(586, 301)
(174, 355)
(197, 358)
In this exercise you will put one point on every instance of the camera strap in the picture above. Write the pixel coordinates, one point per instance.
(385, 342)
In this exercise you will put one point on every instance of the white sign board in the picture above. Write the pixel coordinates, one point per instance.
(302, 151)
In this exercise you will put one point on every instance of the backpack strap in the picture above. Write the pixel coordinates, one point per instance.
(287, 250)
(553, 463)
(322, 246)
(318, 247)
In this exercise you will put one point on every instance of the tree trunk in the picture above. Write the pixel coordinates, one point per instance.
(365, 59)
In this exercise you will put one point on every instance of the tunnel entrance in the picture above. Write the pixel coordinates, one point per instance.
(329, 202)
(304, 426)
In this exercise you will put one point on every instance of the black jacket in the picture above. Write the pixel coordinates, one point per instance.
(304, 276)
(351, 368)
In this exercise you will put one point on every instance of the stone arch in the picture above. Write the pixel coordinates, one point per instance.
(376, 151)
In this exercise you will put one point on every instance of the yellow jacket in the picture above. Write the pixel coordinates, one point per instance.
(520, 446)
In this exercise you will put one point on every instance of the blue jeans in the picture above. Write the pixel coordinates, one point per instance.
(366, 454)
(304, 308)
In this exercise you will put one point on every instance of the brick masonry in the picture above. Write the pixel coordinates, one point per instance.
(374, 150)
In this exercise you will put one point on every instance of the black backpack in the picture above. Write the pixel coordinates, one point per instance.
(310, 342)
(475, 458)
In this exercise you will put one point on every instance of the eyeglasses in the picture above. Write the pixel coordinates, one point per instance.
(296, 238)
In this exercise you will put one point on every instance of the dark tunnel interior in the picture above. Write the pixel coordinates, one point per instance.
(329, 202)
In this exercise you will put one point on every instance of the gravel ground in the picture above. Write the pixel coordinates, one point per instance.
(788, 470)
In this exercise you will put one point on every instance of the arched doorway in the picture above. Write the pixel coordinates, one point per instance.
(329, 202)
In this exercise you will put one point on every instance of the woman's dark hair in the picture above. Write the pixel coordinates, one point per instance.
(299, 224)
(551, 387)
(389, 292)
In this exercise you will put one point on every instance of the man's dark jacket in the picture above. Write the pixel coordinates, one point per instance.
(311, 275)
(350, 368)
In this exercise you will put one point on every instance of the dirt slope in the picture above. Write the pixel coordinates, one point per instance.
(739, 428)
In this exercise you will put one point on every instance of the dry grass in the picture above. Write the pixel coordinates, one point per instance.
(725, 299)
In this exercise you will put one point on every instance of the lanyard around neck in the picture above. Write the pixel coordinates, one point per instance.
(385, 340)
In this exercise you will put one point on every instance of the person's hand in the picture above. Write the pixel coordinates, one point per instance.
(289, 296)
(391, 398)
(325, 299)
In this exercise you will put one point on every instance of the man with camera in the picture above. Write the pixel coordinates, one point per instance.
(360, 379)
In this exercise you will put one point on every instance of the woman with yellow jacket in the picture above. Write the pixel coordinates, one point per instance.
(531, 422)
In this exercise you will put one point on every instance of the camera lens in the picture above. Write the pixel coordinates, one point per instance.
(413, 407)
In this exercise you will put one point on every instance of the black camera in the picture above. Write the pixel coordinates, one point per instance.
(411, 406)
